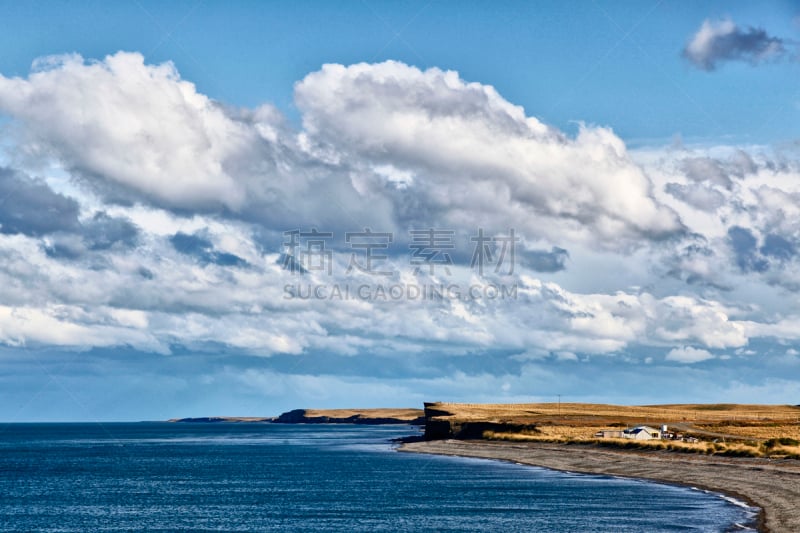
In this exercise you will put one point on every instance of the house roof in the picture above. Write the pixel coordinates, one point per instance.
(639, 429)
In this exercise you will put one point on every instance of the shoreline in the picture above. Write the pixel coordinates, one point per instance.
(770, 486)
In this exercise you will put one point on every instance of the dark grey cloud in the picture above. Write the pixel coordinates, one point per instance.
(30, 207)
(200, 247)
(544, 261)
(101, 233)
(145, 273)
(64, 246)
(104, 232)
(717, 42)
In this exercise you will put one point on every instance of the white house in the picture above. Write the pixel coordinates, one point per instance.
(641, 433)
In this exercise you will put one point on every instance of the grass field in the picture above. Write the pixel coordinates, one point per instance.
(600, 413)
(723, 429)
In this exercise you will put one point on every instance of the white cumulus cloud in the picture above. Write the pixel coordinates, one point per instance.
(137, 126)
(472, 156)
(687, 354)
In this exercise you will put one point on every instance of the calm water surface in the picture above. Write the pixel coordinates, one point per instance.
(273, 477)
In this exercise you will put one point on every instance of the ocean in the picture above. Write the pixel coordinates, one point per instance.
(274, 477)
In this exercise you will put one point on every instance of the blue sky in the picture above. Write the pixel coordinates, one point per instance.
(154, 154)
(615, 64)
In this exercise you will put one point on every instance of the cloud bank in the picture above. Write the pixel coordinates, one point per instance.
(137, 212)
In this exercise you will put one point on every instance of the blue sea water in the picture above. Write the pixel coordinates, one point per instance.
(274, 477)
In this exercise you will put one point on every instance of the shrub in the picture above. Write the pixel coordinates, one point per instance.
(783, 441)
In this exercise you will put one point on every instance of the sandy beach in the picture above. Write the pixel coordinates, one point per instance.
(771, 485)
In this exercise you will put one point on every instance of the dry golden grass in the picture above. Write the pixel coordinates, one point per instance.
(727, 429)
(587, 412)
(568, 432)
(792, 452)
(746, 433)
(522, 437)
(709, 448)
(757, 431)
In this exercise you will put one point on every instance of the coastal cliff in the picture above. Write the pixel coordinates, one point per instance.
(443, 423)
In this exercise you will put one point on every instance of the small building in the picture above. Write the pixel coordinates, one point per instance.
(636, 433)
(641, 433)
(609, 434)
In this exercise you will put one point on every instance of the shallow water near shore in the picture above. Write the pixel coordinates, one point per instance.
(274, 477)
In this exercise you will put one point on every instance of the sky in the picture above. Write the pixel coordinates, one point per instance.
(242, 208)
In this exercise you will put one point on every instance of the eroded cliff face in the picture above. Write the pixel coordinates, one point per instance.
(437, 422)
(443, 422)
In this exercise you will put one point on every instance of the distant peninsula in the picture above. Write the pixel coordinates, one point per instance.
(378, 416)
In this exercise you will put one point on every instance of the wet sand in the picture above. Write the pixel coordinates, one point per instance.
(772, 485)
